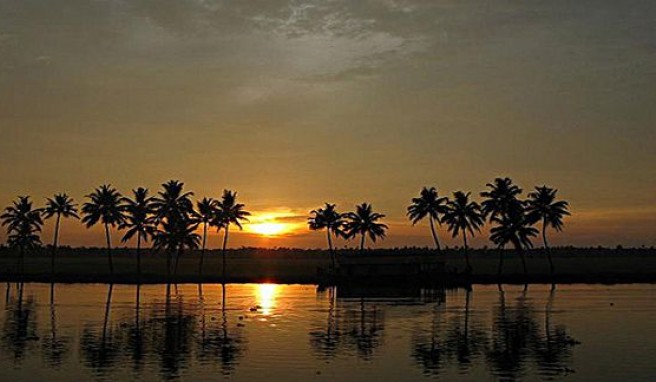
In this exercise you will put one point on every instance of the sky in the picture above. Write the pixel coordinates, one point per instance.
(297, 103)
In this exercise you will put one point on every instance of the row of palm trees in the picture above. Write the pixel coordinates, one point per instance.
(513, 219)
(168, 219)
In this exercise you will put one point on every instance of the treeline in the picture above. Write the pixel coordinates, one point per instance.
(170, 220)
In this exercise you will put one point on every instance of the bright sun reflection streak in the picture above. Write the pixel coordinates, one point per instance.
(266, 297)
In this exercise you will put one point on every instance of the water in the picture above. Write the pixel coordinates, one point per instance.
(266, 332)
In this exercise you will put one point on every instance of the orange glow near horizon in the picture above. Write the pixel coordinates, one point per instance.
(270, 224)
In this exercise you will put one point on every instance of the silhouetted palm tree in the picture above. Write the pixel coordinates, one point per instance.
(139, 220)
(513, 227)
(502, 194)
(104, 207)
(23, 223)
(428, 204)
(175, 236)
(229, 212)
(463, 215)
(174, 213)
(542, 206)
(364, 222)
(332, 221)
(61, 206)
(172, 202)
(205, 214)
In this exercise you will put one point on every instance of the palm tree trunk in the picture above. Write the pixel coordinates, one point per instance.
(21, 261)
(109, 249)
(362, 244)
(54, 246)
(464, 237)
(177, 259)
(138, 256)
(546, 245)
(435, 238)
(223, 252)
(202, 250)
(169, 252)
(521, 255)
(500, 269)
(332, 251)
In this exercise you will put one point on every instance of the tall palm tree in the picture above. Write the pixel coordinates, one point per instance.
(332, 221)
(23, 223)
(502, 194)
(229, 212)
(61, 206)
(513, 227)
(365, 222)
(206, 211)
(173, 213)
(543, 206)
(428, 204)
(104, 206)
(139, 220)
(463, 216)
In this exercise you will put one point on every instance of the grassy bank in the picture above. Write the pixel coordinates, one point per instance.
(300, 266)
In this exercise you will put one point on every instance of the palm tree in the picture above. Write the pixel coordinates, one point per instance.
(138, 220)
(498, 200)
(542, 206)
(513, 227)
(104, 207)
(205, 214)
(61, 206)
(174, 213)
(172, 202)
(23, 223)
(229, 212)
(364, 222)
(328, 218)
(463, 215)
(428, 204)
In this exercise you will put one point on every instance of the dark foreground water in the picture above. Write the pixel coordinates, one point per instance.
(267, 332)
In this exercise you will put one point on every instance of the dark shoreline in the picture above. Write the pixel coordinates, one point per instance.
(289, 266)
(609, 279)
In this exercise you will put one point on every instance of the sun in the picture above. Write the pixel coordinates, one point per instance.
(268, 228)
(272, 223)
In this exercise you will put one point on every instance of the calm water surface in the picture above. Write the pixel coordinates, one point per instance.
(267, 332)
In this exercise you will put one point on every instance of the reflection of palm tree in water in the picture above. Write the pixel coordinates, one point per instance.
(429, 353)
(463, 341)
(348, 329)
(219, 343)
(366, 336)
(325, 342)
(20, 326)
(54, 348)
(553, 350)
(511, 331)
(101, 353)
(517, 338)
(174, 331)
(136, 342)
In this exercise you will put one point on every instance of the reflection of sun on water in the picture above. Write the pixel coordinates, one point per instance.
(266, 297)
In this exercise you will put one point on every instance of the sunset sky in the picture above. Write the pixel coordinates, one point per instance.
(295, 103)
